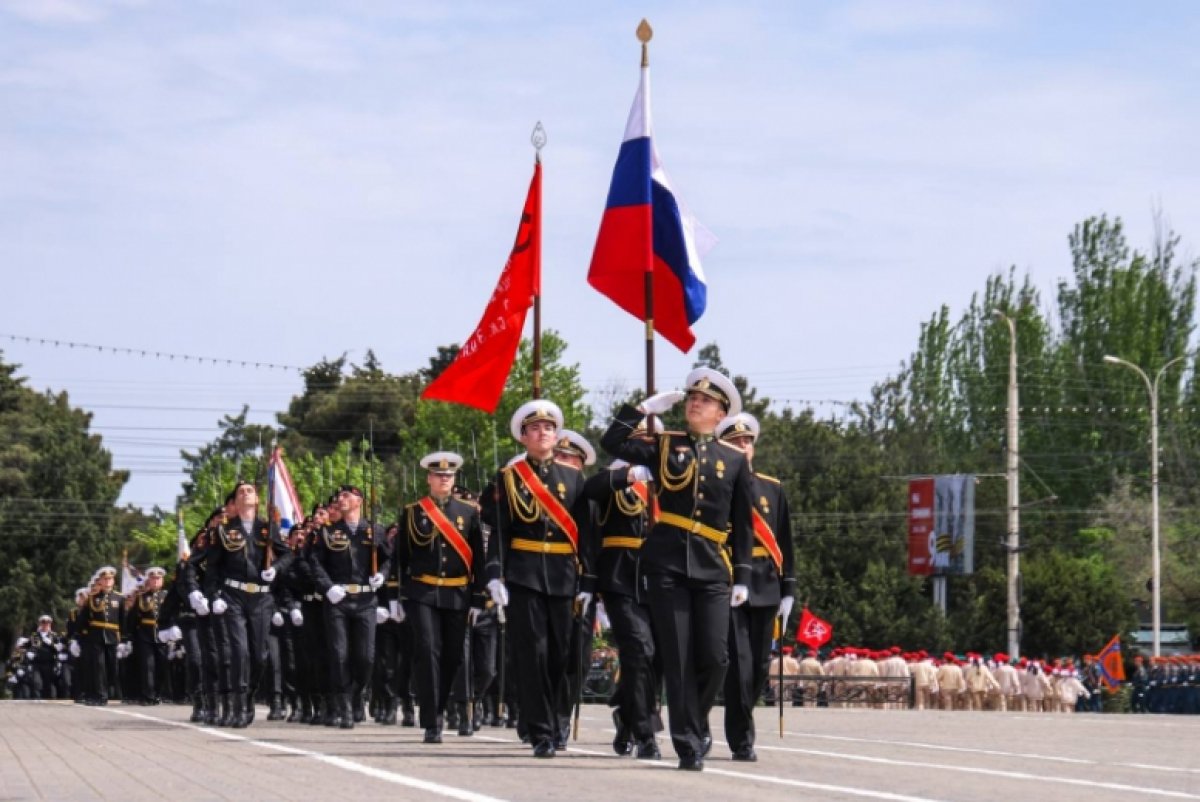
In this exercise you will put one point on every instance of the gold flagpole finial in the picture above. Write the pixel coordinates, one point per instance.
(644, 34)
(538, 138)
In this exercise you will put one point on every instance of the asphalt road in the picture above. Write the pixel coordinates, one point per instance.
(61, 751)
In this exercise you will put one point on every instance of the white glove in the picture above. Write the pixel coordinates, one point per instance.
(268, 575)
(29, 656)
(277, 619)
(58, 647)
(62, 658)
(198, 602)
(499, 592)
(739, 596)
(382, 614)
(473, 615)
(640, 473)
(164, 635)
(785, 607)
(335, 594)
(582, 600)
(74, 649)
(297, 617)
(174, 633)
(376, 581)
(661, 402)
(20, 672)
(219, 607)
(123, 650)
(396, 611)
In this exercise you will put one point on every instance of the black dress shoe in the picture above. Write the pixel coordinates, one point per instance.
(544, 748)
(560, 742)
(648, 750)
(705, 745)
(691, 763)
(432, 735)
(745, 755)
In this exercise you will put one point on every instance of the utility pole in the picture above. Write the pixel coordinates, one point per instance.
(1012, 470)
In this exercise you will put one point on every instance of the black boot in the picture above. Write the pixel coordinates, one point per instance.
(293, 709)
(226, 710)
(239, 720)
(248, 708)
(330, 719)
(345, 716)
(276, 713)
(389, 715)
(356, 709)
(464, 719)
(452, 715)
(477, 716)
(306, 710)
(197, 709)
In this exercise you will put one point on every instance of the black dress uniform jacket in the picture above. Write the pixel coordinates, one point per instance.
(431, 571)
(102, 619)
(620, 530)
(704, 491)
(555, 569)
(768, 584)
(233, 555)
(342, 556)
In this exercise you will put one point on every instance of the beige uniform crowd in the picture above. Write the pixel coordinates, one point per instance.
(853, 676)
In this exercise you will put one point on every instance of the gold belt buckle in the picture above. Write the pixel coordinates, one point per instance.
(250, 587)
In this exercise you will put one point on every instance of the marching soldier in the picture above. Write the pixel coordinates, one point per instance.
(45, 657)
(705, 494)
(349, 561)
(103, 621)
(210, 632)
(537, 565)
(242, 563)
(179, 616)
(148, 652)
(625, 514)
(439, 550)
(772, 592)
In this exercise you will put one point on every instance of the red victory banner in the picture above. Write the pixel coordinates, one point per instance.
(813, 631)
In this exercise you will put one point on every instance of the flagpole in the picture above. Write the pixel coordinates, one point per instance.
(644, 35)
(538, 138)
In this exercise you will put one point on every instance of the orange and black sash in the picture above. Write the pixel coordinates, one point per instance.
(448, 530)
(553, 507)
(642, 491)
(764, 535)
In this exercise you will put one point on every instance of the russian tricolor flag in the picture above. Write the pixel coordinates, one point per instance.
(647, 228)
(284, 497)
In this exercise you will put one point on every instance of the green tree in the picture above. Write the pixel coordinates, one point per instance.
(58, 496)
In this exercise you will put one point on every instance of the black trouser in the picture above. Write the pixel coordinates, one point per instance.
(437, 651)
(637, 686)
(193, 661)
(389, 638)
(484, 642)
(540, 628)
(102, 670)
(751, 630)
(691, 622)
(313, 655)
(216, 654)
(148, 658)
(273, 676)
(47, 680)
(246, 621)
(350, 630)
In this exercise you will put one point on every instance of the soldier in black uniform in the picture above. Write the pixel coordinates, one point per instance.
(626, 508)
(46, 653)
(103, 621)
(243, 561)
(349, 561)
(210, 629)
(772, 593)
(178, 616)
(538, 556)
(149, 653)
(314, 650)
(704, 492)
(439, 550)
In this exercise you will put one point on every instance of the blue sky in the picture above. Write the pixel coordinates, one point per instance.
(286, 181)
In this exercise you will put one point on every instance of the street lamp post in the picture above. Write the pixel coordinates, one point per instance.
(1012, 469)
(1156, 559)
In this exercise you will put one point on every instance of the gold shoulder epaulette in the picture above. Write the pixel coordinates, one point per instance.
(771, 479)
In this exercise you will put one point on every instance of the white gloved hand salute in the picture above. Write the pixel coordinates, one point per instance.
(659, 403)
(498, 592)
